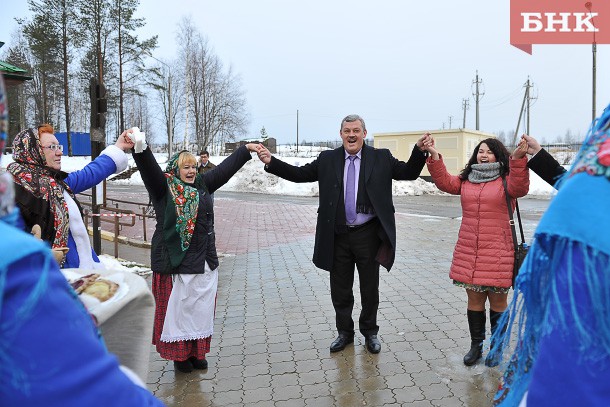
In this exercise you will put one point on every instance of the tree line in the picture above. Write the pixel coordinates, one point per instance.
(63, 44)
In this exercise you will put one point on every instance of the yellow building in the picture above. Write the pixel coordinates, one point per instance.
(455, 145)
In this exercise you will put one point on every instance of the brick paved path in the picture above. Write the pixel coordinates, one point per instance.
(275, 322)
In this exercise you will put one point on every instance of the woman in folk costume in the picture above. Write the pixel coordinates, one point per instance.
(183, 255)
(46, 197)
(561, 306)
(51, 353)
(483, 256)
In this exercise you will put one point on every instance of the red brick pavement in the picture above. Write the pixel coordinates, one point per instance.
(243, 226)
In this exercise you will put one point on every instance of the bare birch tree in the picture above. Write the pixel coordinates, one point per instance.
(215, 98)
(131, 52)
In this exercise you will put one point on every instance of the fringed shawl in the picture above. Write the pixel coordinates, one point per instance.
(562, 292)
(30, 171)
(180, 212)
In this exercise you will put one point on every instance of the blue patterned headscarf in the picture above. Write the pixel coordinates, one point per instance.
(559, 318)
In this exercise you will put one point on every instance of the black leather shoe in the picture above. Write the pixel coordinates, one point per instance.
(372, 344)
(341, 342)
(200, 364)
(185, 366)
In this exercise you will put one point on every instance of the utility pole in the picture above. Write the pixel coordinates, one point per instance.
(589, 6)
(525, 99)
(478, 94)
(450, 119)
(297, 131)
(465, 106)
(594, 78)
(528, 85)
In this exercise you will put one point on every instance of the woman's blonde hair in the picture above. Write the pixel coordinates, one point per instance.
(186, 158)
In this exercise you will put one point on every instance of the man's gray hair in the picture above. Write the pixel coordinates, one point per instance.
(352, 118)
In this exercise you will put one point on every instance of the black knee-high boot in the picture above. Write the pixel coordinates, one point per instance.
(493, 357)
(476, 324)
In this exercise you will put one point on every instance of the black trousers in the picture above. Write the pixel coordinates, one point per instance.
(357, 247)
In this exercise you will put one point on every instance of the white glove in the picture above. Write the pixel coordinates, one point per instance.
(139, 140)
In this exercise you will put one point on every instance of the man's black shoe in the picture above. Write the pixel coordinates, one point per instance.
(372, 344)
(341, 342)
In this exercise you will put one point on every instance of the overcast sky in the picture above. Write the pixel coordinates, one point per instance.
(402, 65)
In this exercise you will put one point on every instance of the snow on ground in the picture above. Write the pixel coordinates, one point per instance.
(124, 265)
(253, 178)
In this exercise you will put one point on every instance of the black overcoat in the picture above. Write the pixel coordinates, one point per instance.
(546, 167)
(380, 168)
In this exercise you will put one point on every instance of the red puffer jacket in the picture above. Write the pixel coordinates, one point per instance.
(483, 254)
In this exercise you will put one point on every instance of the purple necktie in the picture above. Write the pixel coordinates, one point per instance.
(350, 191)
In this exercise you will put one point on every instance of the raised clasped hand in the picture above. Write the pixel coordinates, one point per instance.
(421, 143)
(124, 142)
(264, 155)
(521, 149)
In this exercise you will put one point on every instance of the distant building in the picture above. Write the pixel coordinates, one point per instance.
(269, 143)
(455, 145)
(13, 77)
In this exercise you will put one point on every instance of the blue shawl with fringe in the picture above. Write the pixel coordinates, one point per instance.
(558, 335)
(16, 245)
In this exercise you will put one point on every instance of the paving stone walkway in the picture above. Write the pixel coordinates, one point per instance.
(275, 322)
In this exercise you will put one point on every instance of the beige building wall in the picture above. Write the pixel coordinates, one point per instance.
(455, 145)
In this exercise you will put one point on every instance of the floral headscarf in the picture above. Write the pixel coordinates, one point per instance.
(30, 171)
(181, 211)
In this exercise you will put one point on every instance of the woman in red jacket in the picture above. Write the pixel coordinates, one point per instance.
(483, 256)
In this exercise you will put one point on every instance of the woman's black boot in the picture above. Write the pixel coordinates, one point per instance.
(476, 324)
(184, 366)
(493, 357)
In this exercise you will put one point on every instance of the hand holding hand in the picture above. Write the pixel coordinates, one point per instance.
(422, 141)
(430, 146)
(254, 147)
(124, 142)
(521, 150)
(264, 155)
(532, 144)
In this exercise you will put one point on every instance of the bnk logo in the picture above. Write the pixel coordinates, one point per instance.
(553, 22)
(558, 22)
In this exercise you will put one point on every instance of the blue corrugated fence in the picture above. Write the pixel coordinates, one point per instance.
(81, 143)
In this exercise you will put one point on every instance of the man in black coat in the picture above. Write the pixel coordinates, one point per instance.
(543, 163)
(356, 225)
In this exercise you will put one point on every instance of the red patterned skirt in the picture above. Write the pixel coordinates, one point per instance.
(180, 350)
